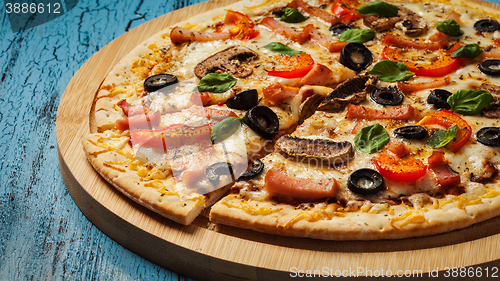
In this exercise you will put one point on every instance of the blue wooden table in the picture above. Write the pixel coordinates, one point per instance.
(43, 234)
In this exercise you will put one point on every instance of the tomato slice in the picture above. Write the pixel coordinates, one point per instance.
(444, 65)
(244, 28)
(400, 170)
(346, 10)
(447, 119)
(298, 66)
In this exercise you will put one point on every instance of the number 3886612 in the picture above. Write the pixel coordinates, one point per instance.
(32, 8)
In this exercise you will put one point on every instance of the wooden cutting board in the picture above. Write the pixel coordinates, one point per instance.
(212, 252)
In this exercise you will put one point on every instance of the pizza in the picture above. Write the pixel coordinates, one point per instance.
(335, 120)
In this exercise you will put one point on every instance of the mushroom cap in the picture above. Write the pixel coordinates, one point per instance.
(229, 61)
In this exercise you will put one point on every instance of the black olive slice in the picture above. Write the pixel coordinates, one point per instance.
(366, 182)
(263, 121)
(214, 171)
(490, 67)
(355, 56)
(255, 170)
(487, 26)
(387, 96)
(243, 100)
(411, 132)
(277, 13)
(489, 136)
(438, 98)
(339, 27)
(156, 82)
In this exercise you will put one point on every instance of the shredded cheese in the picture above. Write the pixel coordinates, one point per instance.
(411, 216)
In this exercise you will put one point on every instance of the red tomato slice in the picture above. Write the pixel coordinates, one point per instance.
(298, 66)
(443, 66)
(346, 10)
(244, 28)
(400, 170)
(447, 119)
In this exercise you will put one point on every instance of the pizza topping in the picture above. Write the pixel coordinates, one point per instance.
(340, 27)
(319, 75)
(279, 183)
(316, 152)
(292, 15)
(370, 139)
(283, 49)
(493, 109)
(216, 83)
(387, 96)
(296, 66)
(356, 56)
(156, 82)
(357, 35)
(216, 170)
(487, 25)
(406, 20)
(180, 35)
(439, 166)
(409, 88)
(225, 128)
(442, 137)
(468, 51)
(489, 136)
(447, 120)
(255, 169)
(353, 90)
(263, 121)
(411, 132)
(469, 102)
(449, 27)
(400, 170)
(366, 182)
(390, 71)
(229, 61)
(346, 10)
(490, 67)
(313, 11)
(277, 92)
(397, 41)
(438, 98)
(244, 26)
(208, 112)
(379, 8)
(139, 121)
(175, 135)
(362, 112)
(287, 32)
(243, 100)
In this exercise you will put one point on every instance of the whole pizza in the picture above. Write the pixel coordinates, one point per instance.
(329, 119)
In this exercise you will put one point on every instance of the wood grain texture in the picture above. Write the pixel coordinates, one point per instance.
(229, 253)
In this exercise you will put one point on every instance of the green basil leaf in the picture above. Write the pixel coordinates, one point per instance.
(468, 51)
(370, 139)
(391, 71)
(442, 137)
(379, 8)
(282, 49)
(225, 128)
(469, 102)
(449, 27)
(357, 35)
(291, 15)
(216, 83)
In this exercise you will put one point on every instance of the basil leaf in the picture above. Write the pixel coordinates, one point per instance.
(469, 102)
(378, 8)
(442, 137)
(449, 27)
(468, 51)
(370, 139)
(291, 15)
(216, 83)
(225, 128)
(357, 35)
(390, 71)
(282, 49)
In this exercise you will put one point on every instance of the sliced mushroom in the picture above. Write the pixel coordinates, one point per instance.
(228, 61)
(317, 152)
(316, 95)
(353, 90)
(493, 109)
(406, 20)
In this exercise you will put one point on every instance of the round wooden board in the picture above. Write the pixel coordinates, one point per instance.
(207, 252)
